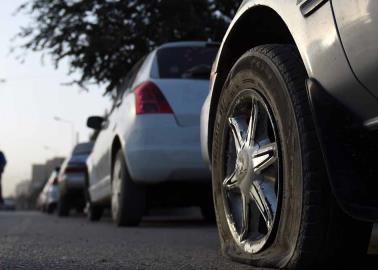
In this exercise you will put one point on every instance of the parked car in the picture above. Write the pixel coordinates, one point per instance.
(72, 178)
(289, 129)
(148, 151)
(8, 205)
(48, 198)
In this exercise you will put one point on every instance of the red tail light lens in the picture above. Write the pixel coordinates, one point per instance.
(55, 181)
(149, 99)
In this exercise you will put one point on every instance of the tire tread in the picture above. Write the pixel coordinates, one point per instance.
(320, 210)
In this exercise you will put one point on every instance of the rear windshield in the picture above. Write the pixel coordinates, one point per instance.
(83, 149)
(186, 62)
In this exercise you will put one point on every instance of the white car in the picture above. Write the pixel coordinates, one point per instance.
(148, 149)
(49, 196)
(72, 179)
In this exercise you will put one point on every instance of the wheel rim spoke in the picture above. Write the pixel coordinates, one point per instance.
(231, 182)
(245, 217)
(264, 157)
(238, 129)
(252, 126)
(251, 190)
(262, 193)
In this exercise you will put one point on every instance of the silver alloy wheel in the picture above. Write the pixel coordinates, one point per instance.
(252, 183)
(116, 188)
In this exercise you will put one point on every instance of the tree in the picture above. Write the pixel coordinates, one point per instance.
(102, 39)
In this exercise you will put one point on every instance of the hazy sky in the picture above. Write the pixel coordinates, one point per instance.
(30, 98)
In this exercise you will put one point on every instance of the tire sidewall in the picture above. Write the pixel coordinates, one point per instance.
(132, 201)
(94, 211)
(120, 160)
(256, 71)
(63, 206)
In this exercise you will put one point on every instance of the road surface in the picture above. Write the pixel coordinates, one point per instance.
(30, 240)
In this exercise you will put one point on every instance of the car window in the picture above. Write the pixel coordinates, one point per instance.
(134, 71)
(143, 71)
(130, 77)
(126, 82)
(53, 175)
(186, 62)
(83, 148)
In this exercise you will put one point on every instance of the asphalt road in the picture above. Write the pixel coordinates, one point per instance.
(30, 240)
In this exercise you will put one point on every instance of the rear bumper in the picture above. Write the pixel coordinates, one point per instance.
(72, 182)
(349, 149)
(158, 150)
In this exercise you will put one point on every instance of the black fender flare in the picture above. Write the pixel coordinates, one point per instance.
(348, 149)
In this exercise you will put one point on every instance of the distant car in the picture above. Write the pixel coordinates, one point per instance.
(290, 130)
(8, 205)
(49, 196)
(148, 151)
(72, 178)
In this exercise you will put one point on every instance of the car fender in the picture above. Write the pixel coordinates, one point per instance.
(122, 130)
(289, 12)
(316, 37)
(314, 33)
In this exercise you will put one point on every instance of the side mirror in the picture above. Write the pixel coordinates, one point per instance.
(95, 122)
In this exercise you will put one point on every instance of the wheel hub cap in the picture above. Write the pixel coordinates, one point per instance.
(243, 163)
(251, 187)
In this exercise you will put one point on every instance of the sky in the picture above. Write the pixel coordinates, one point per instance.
(31, 95)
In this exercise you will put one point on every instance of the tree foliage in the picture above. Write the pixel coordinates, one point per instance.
(102, 39)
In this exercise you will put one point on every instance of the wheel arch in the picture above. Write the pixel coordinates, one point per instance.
(271, 28)
(239, 39)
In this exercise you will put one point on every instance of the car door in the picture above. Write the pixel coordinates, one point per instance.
(98, 180)
(101, 156)
(357, 22)
(100, 159)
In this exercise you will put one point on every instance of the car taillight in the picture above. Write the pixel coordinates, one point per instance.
(55, 181)
(149, 99)
(74, 170)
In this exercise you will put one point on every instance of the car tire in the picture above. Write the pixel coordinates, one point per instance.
(63, 206)
(292, 220)
(94, 212)
(128, 199)
(50, 208)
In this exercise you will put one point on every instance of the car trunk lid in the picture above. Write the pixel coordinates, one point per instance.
(185, 97)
